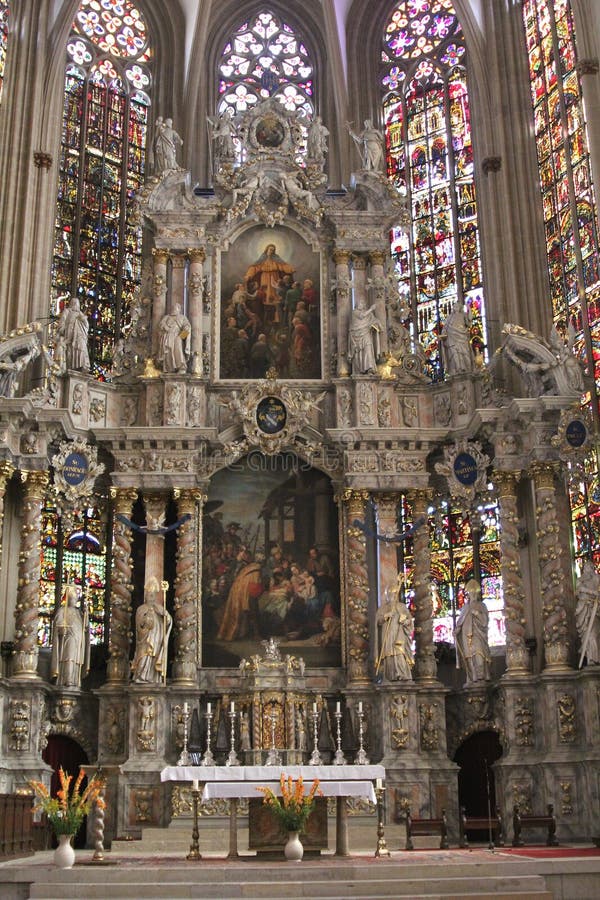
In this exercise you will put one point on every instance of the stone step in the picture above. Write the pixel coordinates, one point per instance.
(293, 882)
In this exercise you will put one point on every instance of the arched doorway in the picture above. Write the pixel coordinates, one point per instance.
(476, 783)
(63, 752)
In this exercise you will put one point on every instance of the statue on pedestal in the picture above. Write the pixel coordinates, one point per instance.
(72, 337)
(587, 618)
(471, 635)
(371, 146)
(456, 343)
(395, 653)
(174, 331)
(152, 629)
(316, 142)
(166, 141)
(70, 659)
(363, 339)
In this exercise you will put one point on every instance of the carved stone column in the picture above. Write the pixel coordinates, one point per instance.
(387, 511)
(189, 538)
(517, 656)
(357, 586)
(377, 258)
(120, 596)
(196, 286)
(155, 505)
(425, 664)
(159, 292)
(341, 259)
(6, 473)
(24, 664)
(178, 267)
(552, 584)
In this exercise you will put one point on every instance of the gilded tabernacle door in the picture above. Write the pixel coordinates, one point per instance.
(270, 312)
(270, 562)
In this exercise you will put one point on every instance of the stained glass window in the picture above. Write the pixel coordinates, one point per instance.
(430, 159)
(3, 39)
(77, 557)
(569, 205)
(463, 545)
(265, 58)
(97, 250)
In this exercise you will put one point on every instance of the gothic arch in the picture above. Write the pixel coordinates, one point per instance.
(206, 53)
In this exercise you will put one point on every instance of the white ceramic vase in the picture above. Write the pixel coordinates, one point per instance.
(64, 855)
(293, 850)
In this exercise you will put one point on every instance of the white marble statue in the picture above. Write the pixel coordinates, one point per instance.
(166, 141)
(292, 185)
(587, 613)
(371, 146)
(395, 643)
(363, 339)
(547, 367)
(72, 337)
(316, 141)
(174, 331)
(471, 635)
(152, 629)
(223, 132)
(70, 659)
(456, 342)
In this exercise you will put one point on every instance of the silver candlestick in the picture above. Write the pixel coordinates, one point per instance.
(208, 759)
(273, 756)
(361, 757)
(184, 759)
(232, 759)
(315, 759)
(338, 757)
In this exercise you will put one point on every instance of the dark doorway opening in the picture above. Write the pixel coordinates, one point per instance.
(63, 752)
(476, 782)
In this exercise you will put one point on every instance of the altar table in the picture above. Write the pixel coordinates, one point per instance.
(235, 782)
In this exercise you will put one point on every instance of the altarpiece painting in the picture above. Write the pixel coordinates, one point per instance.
(270, 306)
(270, 562)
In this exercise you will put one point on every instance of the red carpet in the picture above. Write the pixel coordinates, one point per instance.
(549, 852)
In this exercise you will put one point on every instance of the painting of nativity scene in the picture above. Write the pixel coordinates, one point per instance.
(270, 563)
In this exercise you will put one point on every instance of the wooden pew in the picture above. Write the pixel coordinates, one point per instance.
(416, 827)
(520, 822)
(491, 826)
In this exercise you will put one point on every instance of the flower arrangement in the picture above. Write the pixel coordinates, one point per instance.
(295, 806)
(67, 810)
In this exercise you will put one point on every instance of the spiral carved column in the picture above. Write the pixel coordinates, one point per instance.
(25, 657)
(186, 588)
(425, 664)
(357, 586)
(120, 596)
(517, 656)
(341, 259)
(552, 587)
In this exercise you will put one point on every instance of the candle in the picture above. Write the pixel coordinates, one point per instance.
(195, 785)
(186, 708)
(314, 707)
(338, 707)
(360, 706)
(378, 783)
(232, 707)
(209, 707)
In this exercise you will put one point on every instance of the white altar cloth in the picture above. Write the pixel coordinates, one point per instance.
(224, 790)
(264, 774)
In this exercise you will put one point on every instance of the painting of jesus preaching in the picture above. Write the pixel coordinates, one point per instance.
(270, 563)
(270, 306)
